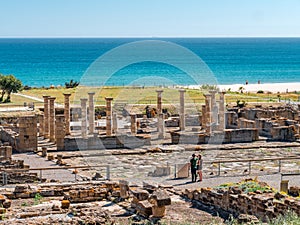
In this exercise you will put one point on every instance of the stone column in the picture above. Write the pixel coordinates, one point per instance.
(108, 116)
(41, 125)
(182, 111)
(46, 116)
(161, 126)
(60, 131)
(83, 102)
(203, 118)
(159, 101)
(222, 111)
(214, 108)
(208, 112)
(67, 113)
(52, 119)
(91, 113)
(115, 123)
(133, 124)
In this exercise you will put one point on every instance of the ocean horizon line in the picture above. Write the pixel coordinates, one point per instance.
(121, 37)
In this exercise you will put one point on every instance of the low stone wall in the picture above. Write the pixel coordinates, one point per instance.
(286, 133)
(147, 201)
(264, 205)
(106, 142)
(190, 120)
(229, 136)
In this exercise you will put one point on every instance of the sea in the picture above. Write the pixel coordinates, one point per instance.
(39, 62)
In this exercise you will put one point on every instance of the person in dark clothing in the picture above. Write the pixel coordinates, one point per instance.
(193, 164)
(148, 111)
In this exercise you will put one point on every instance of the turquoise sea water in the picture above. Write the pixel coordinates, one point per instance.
(43, 62)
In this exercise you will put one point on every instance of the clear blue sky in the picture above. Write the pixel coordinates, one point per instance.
(123, 18)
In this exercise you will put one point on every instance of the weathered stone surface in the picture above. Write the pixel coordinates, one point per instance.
(158, 211)
(124, 189)
(140, 194)
(144, 208)
(244, 218)
(160, 198)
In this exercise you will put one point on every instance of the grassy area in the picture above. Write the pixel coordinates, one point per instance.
(147, 95)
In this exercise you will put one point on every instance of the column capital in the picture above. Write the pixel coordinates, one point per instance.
(46, 96)
(91, 93)
(213, 91)
(67, 94)
(159, 91)
(52, 98)
(83, 99)
(182, 90)
(109, 98)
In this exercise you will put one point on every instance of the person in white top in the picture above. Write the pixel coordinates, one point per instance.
(199, 167)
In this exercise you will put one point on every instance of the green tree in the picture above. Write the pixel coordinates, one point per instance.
(9, 84)
(71, 84)
(2, 85)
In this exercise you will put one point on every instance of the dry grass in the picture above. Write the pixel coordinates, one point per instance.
(147, 95)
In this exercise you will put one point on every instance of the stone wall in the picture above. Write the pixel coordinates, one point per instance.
(286, 133)
(106, 142)
(228, 136)
(257, 113)
(265, 205)
(27, 139)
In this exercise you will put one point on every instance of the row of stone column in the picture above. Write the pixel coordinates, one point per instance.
(52, 126)
(49, 117)
(212, 114)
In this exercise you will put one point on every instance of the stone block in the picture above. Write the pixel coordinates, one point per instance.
(160, 198)
(183, 170)
(65, 204)
(140, 194)
(21, 188)
(2, 210)
(161, 171)
(249, 219)
(144, 208)
(124, 189)
(158, 211)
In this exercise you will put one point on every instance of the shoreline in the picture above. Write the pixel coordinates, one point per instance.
(266, 87)
(253, 88)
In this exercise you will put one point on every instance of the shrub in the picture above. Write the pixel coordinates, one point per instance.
(71, 84)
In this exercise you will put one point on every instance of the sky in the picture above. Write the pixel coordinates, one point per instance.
(149, 18)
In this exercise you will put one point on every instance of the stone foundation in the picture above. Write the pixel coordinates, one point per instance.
(228, 136)
(106, 142)
(27, 139)
(264, 205)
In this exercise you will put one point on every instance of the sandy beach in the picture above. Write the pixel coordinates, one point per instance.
(267, 87)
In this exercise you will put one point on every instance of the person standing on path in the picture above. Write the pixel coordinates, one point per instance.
(199, 167)
(193, 165)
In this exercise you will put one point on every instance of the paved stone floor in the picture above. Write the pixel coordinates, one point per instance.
(137, 167)
(35, 161)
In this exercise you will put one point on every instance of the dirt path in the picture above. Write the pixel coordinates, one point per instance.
(35, 161)
(36, 99)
